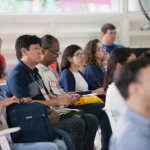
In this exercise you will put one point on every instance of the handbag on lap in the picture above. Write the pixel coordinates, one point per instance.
(33, 120)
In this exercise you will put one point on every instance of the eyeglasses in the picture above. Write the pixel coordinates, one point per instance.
(111, 33)
(55, 54)
(78, 55)
(101, 48)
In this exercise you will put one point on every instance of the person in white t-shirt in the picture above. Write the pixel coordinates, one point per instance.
(114, 100)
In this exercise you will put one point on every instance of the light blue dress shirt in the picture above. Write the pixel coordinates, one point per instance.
(132, 132)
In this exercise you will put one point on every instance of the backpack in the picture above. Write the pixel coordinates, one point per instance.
(33, 120)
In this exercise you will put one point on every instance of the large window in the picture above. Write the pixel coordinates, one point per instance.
(134, 6)
(59, 6)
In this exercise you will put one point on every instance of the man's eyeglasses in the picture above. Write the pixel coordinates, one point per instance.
(55, 54)
(111, 33)
(78, 55)
(101, 48)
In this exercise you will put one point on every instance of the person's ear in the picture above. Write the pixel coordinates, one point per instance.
(24, 51)
(69, 59)
(118, 65)
(134, 89)
(102, 34)
(43, 51)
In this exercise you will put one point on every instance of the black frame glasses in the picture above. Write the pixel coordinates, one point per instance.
(55, 54)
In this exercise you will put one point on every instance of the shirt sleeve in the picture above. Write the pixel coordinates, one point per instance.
(90, 85)
(5, 68)
(67, 81)
(94, 75)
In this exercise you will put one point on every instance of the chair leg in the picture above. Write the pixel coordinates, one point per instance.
(4, 143)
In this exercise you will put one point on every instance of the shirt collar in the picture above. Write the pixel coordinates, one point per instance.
(136, 117)
(29, 70)
(44, 68)
(108, 46)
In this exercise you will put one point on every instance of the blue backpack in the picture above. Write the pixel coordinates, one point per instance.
(33, 120)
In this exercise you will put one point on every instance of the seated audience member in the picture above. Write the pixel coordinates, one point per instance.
(95, 53)
(108, 33)
(133, 126)
(114, 100)
(23, 146)
(25, 82)
(145, 55)
(3, 66)
(82, 130)
(72, 79)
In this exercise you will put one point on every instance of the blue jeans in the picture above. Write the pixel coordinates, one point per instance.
(96, 109)
(66, 138)
(82, 130)
(38, 146)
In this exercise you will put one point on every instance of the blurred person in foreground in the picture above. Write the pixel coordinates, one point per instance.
(133, 127)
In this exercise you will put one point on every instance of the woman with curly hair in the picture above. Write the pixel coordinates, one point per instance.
(95, 61)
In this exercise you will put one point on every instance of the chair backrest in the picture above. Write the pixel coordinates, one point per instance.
(111, 119)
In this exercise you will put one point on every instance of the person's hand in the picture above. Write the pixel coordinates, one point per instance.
(10, 101)
(26, 100)
(99, 91)
(106, 57)
(75, 98)
(104, 63)
(65, 100)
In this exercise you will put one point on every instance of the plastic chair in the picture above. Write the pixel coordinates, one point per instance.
(111, 119)
(3, 140)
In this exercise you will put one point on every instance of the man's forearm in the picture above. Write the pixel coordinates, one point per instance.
(48, 103)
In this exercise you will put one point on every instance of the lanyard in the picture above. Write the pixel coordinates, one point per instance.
(36, 81)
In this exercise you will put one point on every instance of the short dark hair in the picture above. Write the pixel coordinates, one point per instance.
(145, 55)
(129, 73)
(69, 51)
(47, 41)
(25, 41)
(117, 55)
(107, 26)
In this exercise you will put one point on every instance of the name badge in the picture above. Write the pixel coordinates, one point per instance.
(44, 93)
(54, 87)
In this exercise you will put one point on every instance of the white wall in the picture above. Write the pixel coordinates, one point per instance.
(73, 29)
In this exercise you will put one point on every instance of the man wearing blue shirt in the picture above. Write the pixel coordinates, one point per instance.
(25, 83)
(133, 127)
(108, 33)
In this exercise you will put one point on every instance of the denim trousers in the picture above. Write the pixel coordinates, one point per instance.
(82, 130)
(39, 146)
(64, 137)
(96, 110)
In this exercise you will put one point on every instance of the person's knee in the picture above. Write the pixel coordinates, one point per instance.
(60, 144)
(91, 119)
(77, 123)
